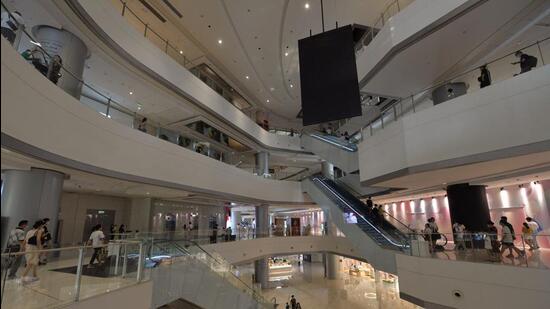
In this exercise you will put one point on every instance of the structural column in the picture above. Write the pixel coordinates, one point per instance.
(332, 261)
(468, 205)
(327, 169)
(261, 269)
(30, 195)
(73, 53)
(262, 164)
(236, 218)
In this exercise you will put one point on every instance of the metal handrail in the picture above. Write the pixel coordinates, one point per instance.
(444, 82)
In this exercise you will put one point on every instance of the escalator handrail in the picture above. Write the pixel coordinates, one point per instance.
(335, 142)
(358, 213)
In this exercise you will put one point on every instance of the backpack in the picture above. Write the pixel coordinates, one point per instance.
(532, 61)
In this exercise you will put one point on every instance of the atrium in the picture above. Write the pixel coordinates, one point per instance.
(275, 154)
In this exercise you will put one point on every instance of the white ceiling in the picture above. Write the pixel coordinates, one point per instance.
(255, 36)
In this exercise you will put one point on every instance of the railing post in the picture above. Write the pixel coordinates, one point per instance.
(108, 107)
(123, 8)
(398, 8)
(412, 102)
(382, 120)
(145, 31)
(394, 113)
(124, 261)
(166, 49)
(540, 52)
(140, 263)
(371, 129)
(78, 273)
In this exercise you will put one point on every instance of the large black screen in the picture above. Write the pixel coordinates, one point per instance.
(328, 77)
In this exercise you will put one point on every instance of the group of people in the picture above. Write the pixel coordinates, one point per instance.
(51, 68)
(28, 241)
(530, 229)
(526, 63)
(293, 303)
(328, 130)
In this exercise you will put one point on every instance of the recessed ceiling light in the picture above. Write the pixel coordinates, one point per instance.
(131, 92)
(267, 100)
(147, 193)
(220, 41)
(291, 86)
(181, 52)
(286, 54)
(247, 77)
(272, 89)
(306, 5)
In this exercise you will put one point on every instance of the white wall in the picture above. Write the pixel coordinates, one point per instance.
(417, 16)
(142, 50)
(244, 251)
(38, 113)
(507, 114)
(73, 210)
(140, 214)
(481, 285)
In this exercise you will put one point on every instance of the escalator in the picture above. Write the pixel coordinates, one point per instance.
(377, 237)
(338, 151)
(183, 272)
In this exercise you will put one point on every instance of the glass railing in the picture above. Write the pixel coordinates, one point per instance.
(179, 256)
(107, 106)
(482, 247)
(501, 68)
(64, 275)
(391, 9)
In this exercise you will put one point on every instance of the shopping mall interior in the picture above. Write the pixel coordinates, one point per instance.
(275, 154)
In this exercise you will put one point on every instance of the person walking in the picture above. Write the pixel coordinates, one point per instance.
(485, 77)
(292, 302)
(33, 243)
(96, 238)
(54, 69)
(143, 125)
(526, 62)
(458, 230)
(527, 235)
(16, 243)
(535, 229)
(492, 234)
(46, 238)
(507, 241)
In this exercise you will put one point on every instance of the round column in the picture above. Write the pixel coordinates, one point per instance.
(236, 218)
(73, 53)
(468, 205)
(262, 164)
(261, 269)
(30, 195)
(327, 169)
(332, 261)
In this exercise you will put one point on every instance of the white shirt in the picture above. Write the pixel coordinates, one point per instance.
(96, 237)
(17, 235)
(507, 235)
(16, 20)
(533, 226)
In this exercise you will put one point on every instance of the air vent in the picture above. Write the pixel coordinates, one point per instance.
(173, 8)
(155, 12)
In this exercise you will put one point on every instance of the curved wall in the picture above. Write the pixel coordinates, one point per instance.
(114, 29)
(41, 120)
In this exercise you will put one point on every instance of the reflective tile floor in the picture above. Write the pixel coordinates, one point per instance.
(312, 290)
(56, 288)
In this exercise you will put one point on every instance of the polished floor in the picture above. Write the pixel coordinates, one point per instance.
(313, 290)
